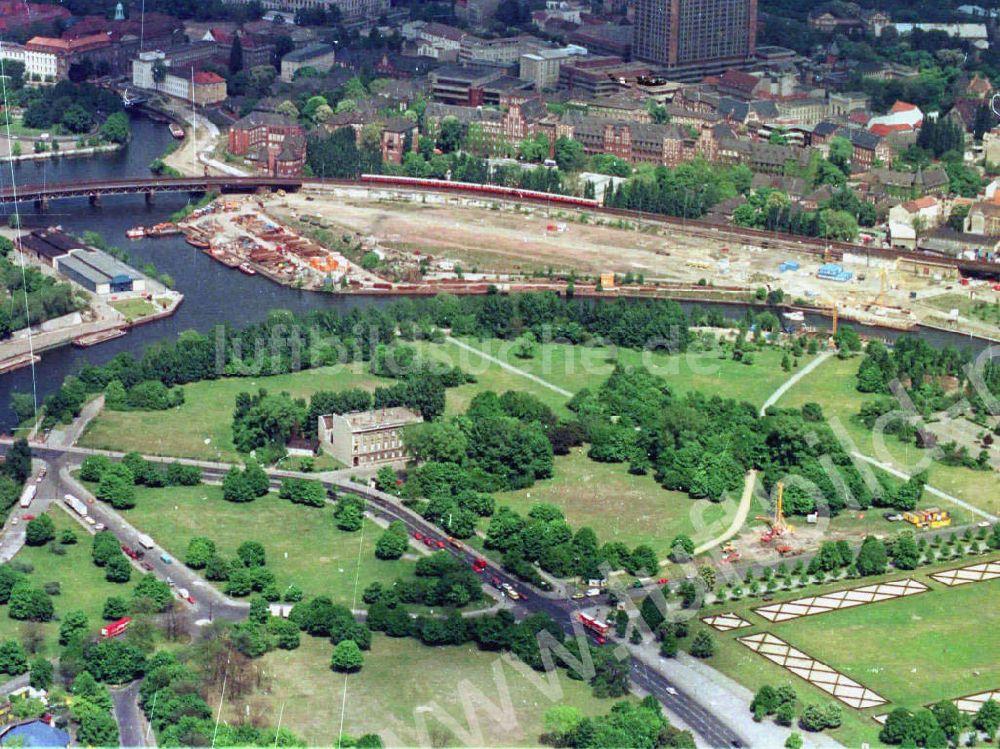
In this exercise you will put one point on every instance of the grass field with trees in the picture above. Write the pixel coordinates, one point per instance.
(304, 547)
(82, 585)
(400, 679)
(833, 385)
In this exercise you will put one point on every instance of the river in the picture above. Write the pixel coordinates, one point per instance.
(213, 294)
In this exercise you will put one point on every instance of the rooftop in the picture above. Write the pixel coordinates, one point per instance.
(309, 52)
(383, 418)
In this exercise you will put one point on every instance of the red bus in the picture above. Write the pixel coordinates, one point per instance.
(116, 628)
(593, 624)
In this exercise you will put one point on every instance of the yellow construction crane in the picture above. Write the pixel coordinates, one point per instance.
(883, 287)
(779, 525)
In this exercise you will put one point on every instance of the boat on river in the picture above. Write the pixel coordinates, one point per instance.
(176, 130)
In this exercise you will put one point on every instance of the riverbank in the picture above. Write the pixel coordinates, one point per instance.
(22, 349)
(50, 154)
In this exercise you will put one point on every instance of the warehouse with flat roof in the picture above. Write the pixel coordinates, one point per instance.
(99, 272)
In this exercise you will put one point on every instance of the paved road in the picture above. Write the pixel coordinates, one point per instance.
(131, 723)
(714, 730)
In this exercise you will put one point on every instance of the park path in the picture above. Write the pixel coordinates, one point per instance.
(892, 470)
(887, 467)
(510, 368)
(742, 511)
(790, 382)
(746, 500)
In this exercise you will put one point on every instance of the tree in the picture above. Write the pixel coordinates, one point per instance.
(114, 661)
(525, 346)
(794, 741)
(905, 554)
(159, 71)
(841, 152)
(12, 659)
(41, 673)
(28, 603)
(347, 657)
(117, 487)
(682, 547)
(393, 542)
(703, 645)
(93, 466)
(199, 551)
(987, 719)
(569, 154)
(39, 531)
(17, 464)
(118, 570)
(236, 55)
(116, 128)
(303, 491)
(235, 488)
(114, 608)
(871, 557)
(73, 627)
(252, 554)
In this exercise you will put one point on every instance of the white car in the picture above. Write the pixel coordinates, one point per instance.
(591, 592)
(100, 527)
(672, 691)
(14, 521)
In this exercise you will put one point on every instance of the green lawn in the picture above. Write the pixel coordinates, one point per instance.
(133, 309)
(576, 367)
(833, 386)
(303, 545)
(202, 427)
(490, 376)
(938, 651)
(82, 583)
(402, 681)
(912, 651)
(616, 504)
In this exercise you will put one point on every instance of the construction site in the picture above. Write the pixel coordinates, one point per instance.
(425, 243)
(238, 233)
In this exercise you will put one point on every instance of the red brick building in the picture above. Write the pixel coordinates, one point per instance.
(275, 143)
(399, 136)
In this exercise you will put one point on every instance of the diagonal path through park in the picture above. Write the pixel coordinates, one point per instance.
(509, 367)
(746, 499)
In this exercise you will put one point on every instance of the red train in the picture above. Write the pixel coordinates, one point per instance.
(498, 190)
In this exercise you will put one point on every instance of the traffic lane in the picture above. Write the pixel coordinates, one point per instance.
(131, 730)
(561, 611)
(687, 709)
(152, 562)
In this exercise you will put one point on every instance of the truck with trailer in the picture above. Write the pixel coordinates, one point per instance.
(76, 505)
(28, 494)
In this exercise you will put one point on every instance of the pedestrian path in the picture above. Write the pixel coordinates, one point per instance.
(510, 367)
